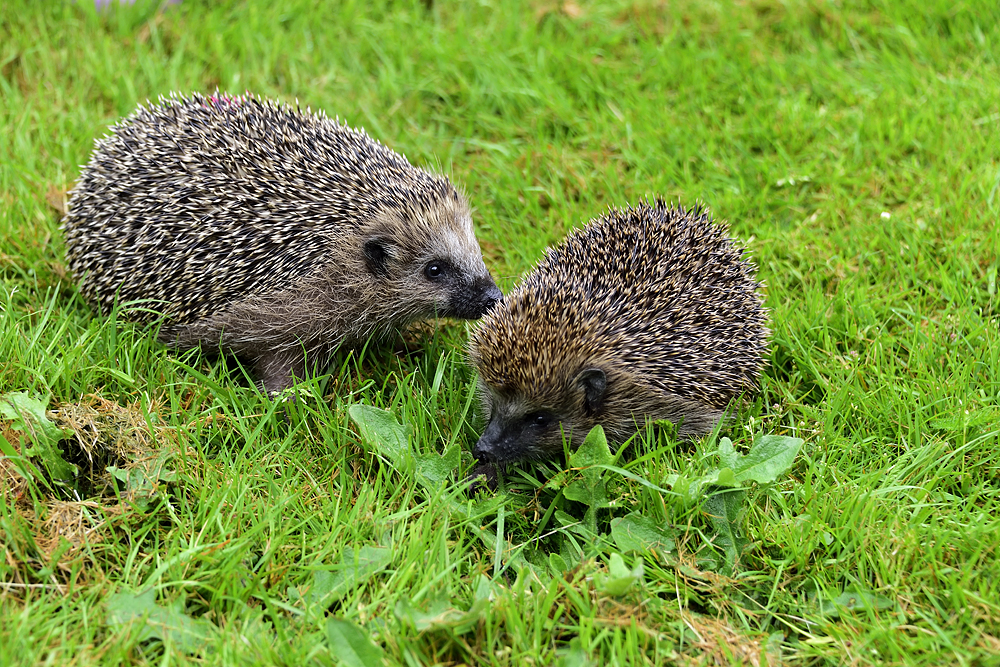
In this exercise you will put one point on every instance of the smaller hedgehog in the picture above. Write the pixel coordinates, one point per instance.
(647, 313)
(268, 232)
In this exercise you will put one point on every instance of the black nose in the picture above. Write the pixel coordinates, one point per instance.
(491, 296)
(475, 301)
(482, 452)
(491, 442)
(486, 445)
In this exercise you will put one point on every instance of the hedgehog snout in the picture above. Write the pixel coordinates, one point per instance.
(476, 299)
(494, 442)
(491, 296)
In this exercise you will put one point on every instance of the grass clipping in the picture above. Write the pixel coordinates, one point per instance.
(119, 454)
(116, 442)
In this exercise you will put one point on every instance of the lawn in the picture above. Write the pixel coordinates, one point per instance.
(854, 148)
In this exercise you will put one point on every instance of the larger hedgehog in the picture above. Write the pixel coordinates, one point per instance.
(649, 312)
(268, 232)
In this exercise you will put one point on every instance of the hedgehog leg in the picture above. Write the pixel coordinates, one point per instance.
(276, 370)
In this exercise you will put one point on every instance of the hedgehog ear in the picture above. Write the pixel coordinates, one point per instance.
(594, 383)
(377, 257)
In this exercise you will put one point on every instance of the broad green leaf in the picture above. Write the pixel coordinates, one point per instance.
(721, 477)
(593, 451)
(28, 415)
(619, 579)
(636, 532)
(357, 566)
(669, 479)
(617, 567)
(728, 454)
(590, 490)
(141, 480)
(351, 646)
(852, 599)
(575, 656)
(434, 470)
(688, 490)
(171, 624)
(485, 589)
(772, 649)
(565, 519)
(380, 430)
(768, 458)
(691, 491)
(557, 564)
(725, 510)
(440, 614)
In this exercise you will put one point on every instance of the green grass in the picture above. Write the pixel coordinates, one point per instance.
(854, 146)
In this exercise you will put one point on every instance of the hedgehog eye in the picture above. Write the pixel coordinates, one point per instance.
(434, 270)
(539, 419)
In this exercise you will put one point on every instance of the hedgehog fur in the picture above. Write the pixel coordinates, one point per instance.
(269, 232)
(647, 313)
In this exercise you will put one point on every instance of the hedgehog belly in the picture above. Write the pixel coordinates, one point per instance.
(281, 334)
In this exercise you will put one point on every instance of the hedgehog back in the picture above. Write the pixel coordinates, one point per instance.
(662, 294)
(198, 202)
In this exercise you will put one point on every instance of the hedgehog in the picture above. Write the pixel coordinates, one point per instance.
(648, 313)
(243, 225)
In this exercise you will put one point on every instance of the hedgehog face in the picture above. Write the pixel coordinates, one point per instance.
(451, 285)
(431, 264)
(522, 426)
